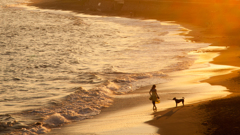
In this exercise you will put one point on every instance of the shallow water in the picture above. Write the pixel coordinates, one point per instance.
(64, 66)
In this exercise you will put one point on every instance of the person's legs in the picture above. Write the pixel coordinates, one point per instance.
(154, 106)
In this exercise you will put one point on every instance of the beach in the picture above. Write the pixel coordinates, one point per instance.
(210, 113)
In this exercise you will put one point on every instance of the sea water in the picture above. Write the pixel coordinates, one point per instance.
(62, 66)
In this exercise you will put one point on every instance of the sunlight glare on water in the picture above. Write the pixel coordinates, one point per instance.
(53, 52)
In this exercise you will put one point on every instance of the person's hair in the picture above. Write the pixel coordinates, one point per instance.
(154, 86)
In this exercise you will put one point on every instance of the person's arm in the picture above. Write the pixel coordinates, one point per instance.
(150, 92)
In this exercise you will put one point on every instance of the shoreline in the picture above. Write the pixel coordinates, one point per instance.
(200, 34)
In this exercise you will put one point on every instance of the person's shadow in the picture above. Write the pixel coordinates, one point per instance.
(167, 114)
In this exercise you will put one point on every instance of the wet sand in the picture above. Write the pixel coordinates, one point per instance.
(217, 26)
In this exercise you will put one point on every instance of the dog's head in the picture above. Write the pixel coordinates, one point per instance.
(174, 98)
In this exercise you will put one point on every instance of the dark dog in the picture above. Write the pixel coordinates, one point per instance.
(179, 100)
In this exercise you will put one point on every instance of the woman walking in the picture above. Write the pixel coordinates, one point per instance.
(153, 96)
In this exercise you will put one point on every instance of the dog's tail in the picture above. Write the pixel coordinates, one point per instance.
(183, 98)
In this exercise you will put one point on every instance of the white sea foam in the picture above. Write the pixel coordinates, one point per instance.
(56, 120)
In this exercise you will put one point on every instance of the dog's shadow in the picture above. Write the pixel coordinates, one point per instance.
(168, 114)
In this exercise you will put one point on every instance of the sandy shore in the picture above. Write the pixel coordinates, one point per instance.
(211, 26)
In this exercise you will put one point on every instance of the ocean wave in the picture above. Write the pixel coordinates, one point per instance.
(82, 104)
